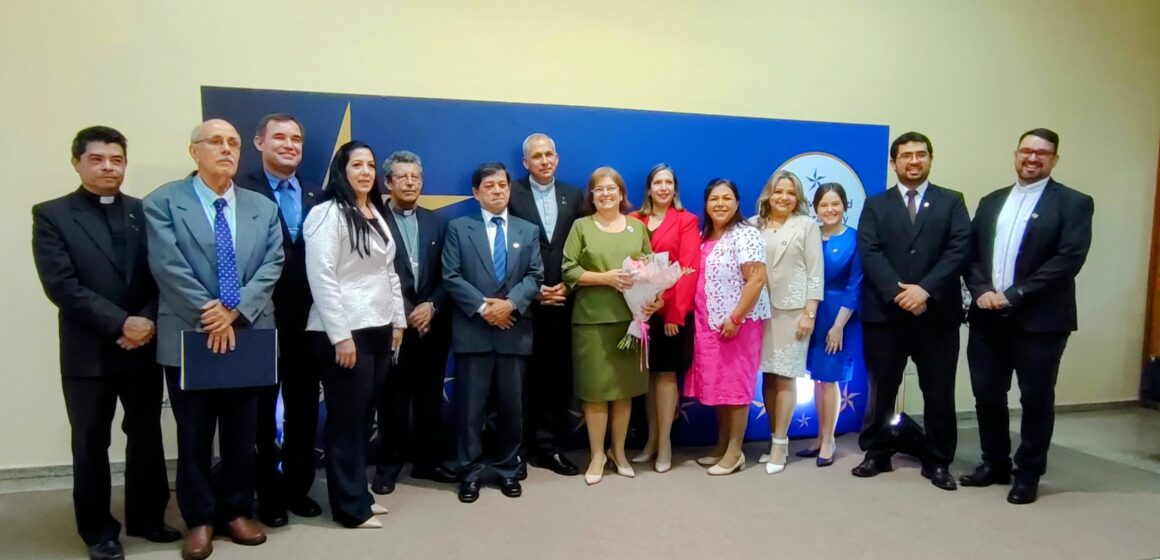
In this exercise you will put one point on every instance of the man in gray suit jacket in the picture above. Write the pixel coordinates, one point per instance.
(216, 253)
(492, 272)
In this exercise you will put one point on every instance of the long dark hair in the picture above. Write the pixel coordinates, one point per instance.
(707, 221)
(646, 205)
(339, 189)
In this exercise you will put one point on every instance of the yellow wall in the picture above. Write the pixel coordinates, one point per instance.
(972, 75)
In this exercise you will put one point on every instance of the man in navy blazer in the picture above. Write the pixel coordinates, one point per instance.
(914, 241)
(410, 407)
(191, 222)
(89, 248)
(1030, 241)
(492, 272)
(279, 139)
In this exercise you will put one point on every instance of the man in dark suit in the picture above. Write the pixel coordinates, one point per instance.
(914, 241)
(1030, 241)
(216, 253)
(279, 140)
(552, 206)
(90, 252)
(410, 406)
(492, 272)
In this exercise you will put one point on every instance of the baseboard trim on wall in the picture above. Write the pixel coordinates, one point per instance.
(51, 471)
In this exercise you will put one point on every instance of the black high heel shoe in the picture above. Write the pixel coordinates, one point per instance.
(809, 452)
(826, 461)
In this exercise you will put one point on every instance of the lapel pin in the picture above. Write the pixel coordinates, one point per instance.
(515, 245)
(926, 205)
(628, 229)
(1034, 216)
(131, 216)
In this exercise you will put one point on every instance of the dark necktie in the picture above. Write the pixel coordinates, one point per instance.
(229, 289)
(910, 206)
(499, 251)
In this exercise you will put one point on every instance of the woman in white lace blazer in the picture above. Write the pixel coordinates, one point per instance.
(793, 267)
(355, 324)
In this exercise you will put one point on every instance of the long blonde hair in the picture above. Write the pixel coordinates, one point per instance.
(763, 212)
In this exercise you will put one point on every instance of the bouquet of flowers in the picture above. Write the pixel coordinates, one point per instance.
(652, 275)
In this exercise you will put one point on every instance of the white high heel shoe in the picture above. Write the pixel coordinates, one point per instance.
(774, 468)
(625, 470)
(709, 460)
(718, 470)
(377, 509)
(371, 523)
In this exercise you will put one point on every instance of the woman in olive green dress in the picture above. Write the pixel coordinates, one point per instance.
(604, 374)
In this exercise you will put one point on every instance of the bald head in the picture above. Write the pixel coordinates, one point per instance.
(216, 146)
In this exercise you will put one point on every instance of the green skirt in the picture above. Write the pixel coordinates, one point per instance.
(601, 371)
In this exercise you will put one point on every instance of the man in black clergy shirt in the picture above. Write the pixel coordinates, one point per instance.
(410, 406)
(90, 252)
(551, 206)
(1030, 241)
(914, 241)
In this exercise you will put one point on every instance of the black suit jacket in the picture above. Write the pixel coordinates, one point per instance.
(432, 231)
(569, 205)
(1054, 248)
(469, 276)
(931, 252)
(292, 297)
(73, 252)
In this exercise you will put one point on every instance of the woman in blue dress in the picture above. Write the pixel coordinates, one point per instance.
(830, 359)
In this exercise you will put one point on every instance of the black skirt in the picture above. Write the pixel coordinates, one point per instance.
(670, 353)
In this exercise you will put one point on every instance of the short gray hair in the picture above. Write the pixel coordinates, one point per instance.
(401, 156)
(538, 136)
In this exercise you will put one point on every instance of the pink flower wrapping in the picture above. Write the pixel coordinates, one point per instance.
(653, 274)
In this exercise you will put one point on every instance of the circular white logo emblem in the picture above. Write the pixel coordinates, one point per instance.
(818, 168)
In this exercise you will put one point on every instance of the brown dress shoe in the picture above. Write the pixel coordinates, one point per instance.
(243, 530)
(198, 543)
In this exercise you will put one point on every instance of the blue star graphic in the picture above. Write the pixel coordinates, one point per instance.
(803, 421)
(446, 380)
(760, 409)
(815, 179)
(683, 410)
(847, 399)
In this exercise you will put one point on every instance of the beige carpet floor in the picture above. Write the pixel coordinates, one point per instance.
(1090, 507)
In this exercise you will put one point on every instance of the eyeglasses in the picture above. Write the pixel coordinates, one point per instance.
(219, 141)
(605, 190)
(1028, 152)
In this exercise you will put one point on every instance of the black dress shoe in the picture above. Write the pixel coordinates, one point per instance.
(434, 474)
(305, 507)
(1025, 490)
(469, 491)
(522, 471)
(383, 484)
(161, 534)
(871, 466)
(511, 488)
(986, 474)
(940, 477)
(273, 516)
(558, 464)
(108, 550)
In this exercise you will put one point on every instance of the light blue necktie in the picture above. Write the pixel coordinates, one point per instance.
(229, 289)
(290, 214)
(499, 251)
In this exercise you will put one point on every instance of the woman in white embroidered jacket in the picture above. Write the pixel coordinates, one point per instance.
(355, 324)
(793, 264)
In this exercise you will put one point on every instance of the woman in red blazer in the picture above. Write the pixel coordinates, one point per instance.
(674, 230)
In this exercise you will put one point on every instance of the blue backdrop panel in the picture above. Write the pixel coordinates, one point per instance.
(454, 136)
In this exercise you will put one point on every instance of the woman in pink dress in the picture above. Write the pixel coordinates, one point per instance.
(730, 306)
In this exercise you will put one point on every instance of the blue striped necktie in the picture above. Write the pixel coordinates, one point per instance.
(499, 251)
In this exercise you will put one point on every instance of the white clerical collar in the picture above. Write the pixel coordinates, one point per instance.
(542, 188)
(1032, 187)
(401, 211)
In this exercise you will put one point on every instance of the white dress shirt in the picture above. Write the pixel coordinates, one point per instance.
(545, 198)
(350, 292)
(902, 189)
(1018, 210)
(207, 196)
(487, 216)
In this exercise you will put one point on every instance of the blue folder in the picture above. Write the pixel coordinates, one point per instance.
(253, 362)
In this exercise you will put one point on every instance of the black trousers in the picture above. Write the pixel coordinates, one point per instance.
(233, 414)
(478, 376)
(995, 349)
(350, 396)
(934, 347)
(299, 385)
(548, 384)
(410, 406)
(91, 403)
